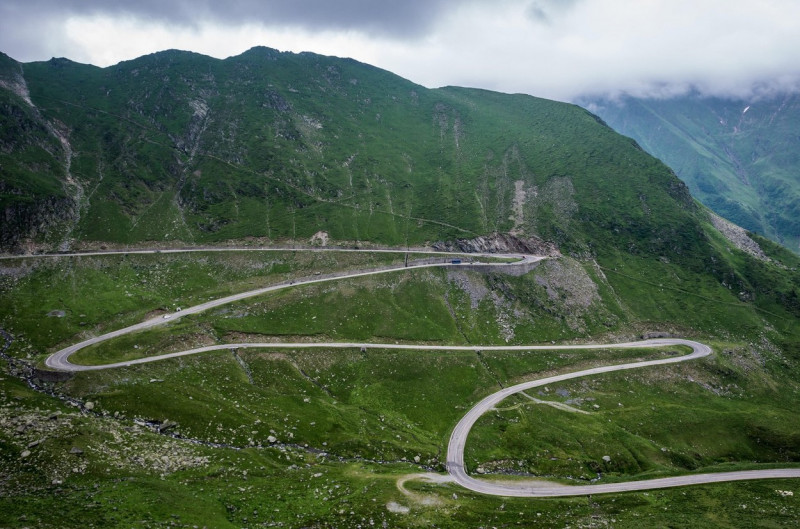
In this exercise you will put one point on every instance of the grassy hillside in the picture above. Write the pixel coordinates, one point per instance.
(738, 157)
(184, 148)
(109, 472)
(33, 184)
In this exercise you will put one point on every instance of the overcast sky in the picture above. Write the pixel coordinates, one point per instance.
(558, 49)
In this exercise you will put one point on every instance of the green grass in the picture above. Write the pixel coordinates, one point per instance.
(730, 412)
(707, 415)
(303, 143)
(296, 144)
(360, 412)
(350, 404)
(415, 306)
(102, 293)
(375, 405)
(402, 307)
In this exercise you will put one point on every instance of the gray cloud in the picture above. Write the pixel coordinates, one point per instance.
(546, 10)
(34, 29)
(560, 49)
(407, 18)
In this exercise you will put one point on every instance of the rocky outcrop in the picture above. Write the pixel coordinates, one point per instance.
(657, 334)
(24, 223)
(34, 168)
(500, 243)
(738, 236)
(11, 78)
(47, 376)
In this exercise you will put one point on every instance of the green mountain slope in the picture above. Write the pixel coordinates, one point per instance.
(33, 186)
(180, 147)
(738, 157)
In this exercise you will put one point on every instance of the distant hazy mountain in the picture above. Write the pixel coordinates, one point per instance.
(741, 158)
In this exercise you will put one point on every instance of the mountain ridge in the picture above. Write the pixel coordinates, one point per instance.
(737, 155)
(293, 131)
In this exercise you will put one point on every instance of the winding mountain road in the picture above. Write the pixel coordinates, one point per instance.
(534, 489)
(60, 359)
(455, 450)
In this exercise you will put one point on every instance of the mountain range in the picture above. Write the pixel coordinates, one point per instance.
(738, 156)
(268, 147)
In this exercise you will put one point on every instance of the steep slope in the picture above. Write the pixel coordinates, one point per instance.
(176, 148)
(180, 147)
(738, 157)
(35, 202)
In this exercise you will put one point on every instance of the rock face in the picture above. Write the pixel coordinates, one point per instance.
(34, 157)
(45, 375)
(500, 243)
(738, 236)
(24, 223)
(657, 334)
